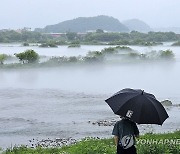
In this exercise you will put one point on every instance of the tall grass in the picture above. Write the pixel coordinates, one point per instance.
(106, 146)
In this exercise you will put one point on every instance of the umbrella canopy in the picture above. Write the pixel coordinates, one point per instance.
(137, 105)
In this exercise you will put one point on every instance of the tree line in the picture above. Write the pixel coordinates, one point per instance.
(24, 36)
(98, 37)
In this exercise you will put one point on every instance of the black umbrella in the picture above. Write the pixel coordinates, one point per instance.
(137, 105)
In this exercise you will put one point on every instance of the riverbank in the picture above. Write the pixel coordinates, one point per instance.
(64, 114)
(148, 143)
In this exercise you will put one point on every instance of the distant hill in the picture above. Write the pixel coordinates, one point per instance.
(137, 25)
(84, 24)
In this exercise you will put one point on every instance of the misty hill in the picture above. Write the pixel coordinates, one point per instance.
(84, 24)
(137, 25)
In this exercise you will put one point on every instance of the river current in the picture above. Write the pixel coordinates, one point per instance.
(63, 102)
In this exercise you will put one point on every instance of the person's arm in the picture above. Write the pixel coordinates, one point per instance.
(115, 132)
(116, 140)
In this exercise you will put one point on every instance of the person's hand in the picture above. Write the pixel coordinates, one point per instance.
(116, 140)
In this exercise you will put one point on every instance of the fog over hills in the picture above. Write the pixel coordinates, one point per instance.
(137, 25)
(106, 23)
(167, 29)
(15, 14)
(84, 24)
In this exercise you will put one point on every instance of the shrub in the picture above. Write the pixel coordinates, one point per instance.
(3, 57)
(168, 54)
(28, 56)
(25, 44)
(74, 46)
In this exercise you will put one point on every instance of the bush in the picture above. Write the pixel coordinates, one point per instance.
(110, 50)
(73, 59)
(74, 46)
(25, 44)
(3, 57)
(95, 54)
(168, 54)
(91, 59)
(29, 56)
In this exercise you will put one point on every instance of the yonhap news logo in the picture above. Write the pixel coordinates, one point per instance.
(158, 141)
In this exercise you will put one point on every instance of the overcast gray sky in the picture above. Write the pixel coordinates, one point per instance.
(39, 13)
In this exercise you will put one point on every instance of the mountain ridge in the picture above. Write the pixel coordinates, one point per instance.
(84, 24)
(137, 25)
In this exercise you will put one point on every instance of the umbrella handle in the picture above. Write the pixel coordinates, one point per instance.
(142, 92)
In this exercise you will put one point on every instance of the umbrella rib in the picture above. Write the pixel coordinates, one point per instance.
(155, 108)
(140, 113)
(129, 100)
(141, 108)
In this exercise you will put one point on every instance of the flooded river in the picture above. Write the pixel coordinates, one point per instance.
(62, 102)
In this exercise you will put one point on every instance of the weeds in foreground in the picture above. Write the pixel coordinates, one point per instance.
(160, 144)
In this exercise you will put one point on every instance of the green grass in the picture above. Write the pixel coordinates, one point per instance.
(168, 143)
(106, 146)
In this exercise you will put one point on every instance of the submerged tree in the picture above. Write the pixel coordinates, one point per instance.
(3, 57)
(166, 54)
(29, 56)
(99, 31)
(25, 44)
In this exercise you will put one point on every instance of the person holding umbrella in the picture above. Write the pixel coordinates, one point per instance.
(136, 106)
(124, 132)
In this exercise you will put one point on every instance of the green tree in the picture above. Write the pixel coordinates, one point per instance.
(25, 44)
(3, 57)
(29, 56)
(73, 59)
(166, 54)
(71, 35)
(99, 31)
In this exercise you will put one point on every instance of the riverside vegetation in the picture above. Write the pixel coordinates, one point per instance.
(117, 54)
(167, 143)
(91, 38)
(176, 43)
